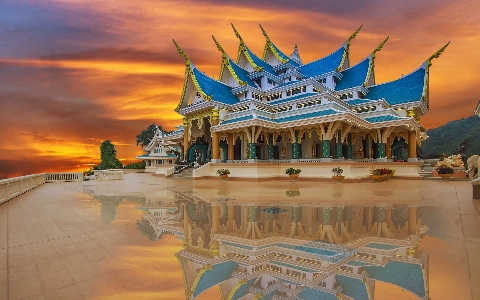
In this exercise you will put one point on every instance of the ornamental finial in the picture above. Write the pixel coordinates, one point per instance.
(436, 54)
(237, 34)
(264, 32)
(180, 51)
(218, 45)
(354, 34)
(380, 46)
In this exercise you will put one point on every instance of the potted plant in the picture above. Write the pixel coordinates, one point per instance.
(337, 173)
(293, 173)
(381, 174)
(445, 171)
(223, 173)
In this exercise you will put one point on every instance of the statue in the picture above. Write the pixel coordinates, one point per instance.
(178, 162)
(462, 149)
(473, 162)
(422, 155)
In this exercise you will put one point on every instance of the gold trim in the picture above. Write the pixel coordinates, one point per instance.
(226, 63)
(243, 49)
(258, 296)
(236, 287)
(270, 45)
(187, 291)
(197, 279)
(347, 47)
(428, 65)
(372, 61)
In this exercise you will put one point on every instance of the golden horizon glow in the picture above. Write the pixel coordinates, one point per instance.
(109, 77)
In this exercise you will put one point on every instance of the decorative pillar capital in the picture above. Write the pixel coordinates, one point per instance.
(215, 113)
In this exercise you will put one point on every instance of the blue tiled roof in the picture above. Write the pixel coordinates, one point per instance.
(244, 118)
(324, 65)
(282, 55)
(310, 293)
(406, 89)
(404, 275)
(299, 96)
(293, 266)
(171, 155)
(286, 83)
(382, 118)
(353, 287)
(354, 76)
(266, 67)
(243, 289)
(301, 116)
(269, 295)
(237, 245)
(144, 155)
(358, 101)
(218, 273)
(381, 246)
(220, 92)
(357, 263)
(241, 73)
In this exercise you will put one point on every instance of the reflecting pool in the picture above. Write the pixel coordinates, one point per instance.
(156, 238)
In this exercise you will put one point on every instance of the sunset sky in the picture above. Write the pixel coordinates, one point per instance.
(76, 72)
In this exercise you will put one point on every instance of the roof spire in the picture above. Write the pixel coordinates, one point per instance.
(264, 32)
(354, 34)
(295, 56)
(237, 34)
(436, 55)
(182, 54)
(218, 46)
(380, 46)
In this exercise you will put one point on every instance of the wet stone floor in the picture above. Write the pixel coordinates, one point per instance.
(147, 237)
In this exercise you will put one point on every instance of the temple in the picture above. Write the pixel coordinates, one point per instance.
(278, 108)
(306, 248)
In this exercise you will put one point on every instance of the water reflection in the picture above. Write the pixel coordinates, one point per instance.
(299, 249)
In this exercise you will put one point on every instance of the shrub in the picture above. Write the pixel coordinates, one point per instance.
(445, 170)
(223, 171)
(292, 171)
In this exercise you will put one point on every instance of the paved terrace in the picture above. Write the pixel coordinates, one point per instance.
(55, 242)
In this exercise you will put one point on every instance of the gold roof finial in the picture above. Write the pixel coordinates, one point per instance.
(436, 55)
(180, 51)
(218, 46)
(354, 34)
(380, 46)
(264, 32)
(237, 34)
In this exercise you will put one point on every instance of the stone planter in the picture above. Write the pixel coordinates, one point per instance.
(223, 176)
(379, 178)
(338, 178)
(293, 176)
(445, 176)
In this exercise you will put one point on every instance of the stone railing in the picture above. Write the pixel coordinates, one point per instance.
(12, 187)
(170, 171)
(102, 175)
(54, 177)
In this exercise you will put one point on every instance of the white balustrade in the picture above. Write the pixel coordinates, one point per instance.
(108, 175)
(69, 176)
(12, 187)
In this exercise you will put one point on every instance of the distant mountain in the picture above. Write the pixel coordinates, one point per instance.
(448, 137)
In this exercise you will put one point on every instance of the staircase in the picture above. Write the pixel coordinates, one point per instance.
(183, 173)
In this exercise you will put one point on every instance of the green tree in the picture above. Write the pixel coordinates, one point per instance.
(146, 135)
(108, 157)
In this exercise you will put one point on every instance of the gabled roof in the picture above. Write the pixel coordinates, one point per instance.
(254, 60)
(323, 65)
(405, 275)
(242, 290)
(276, 52)
(241, 73)
(409, 88)
(217, 90)
(217, 274)
(353, 287)
(332, 62)
(310, 293)
(354, 76)
(383, 118)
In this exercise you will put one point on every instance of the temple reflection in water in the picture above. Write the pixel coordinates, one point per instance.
(296, 249)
